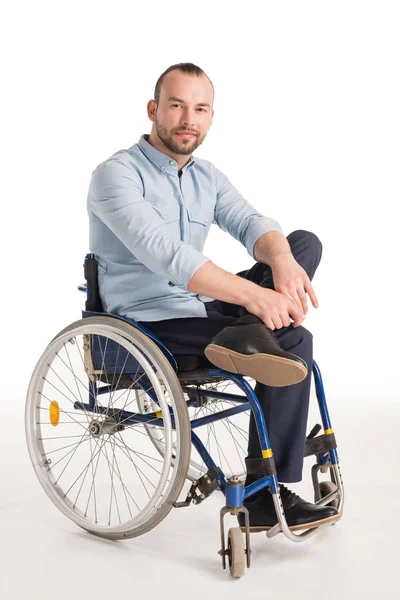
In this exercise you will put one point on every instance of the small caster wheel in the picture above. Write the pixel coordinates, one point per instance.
(327, 487)
(236, 552)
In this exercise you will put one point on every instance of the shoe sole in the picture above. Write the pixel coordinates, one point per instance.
(275, 371)
(257, 528)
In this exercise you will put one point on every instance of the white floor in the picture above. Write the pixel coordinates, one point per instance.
(45, 556)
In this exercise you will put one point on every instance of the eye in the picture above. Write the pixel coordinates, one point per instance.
(203, 109)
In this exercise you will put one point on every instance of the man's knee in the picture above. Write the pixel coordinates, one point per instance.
(301, 335)
(304, 344)
(297, 340)
(307, 238)
(305, 336)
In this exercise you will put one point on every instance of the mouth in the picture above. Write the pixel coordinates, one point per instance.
(185, 134)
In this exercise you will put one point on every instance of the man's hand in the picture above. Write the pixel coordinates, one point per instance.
(291, 280)
(273, 308)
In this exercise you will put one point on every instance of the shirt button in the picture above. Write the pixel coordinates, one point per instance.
(165, 216)
(206, 220)
(162, 167)
(171, 162)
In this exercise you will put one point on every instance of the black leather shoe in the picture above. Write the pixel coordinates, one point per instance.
(250, 348)
(299, 513)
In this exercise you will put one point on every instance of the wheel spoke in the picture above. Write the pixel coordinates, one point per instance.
(83, 439)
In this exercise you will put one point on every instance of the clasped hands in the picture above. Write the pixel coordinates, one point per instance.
(288, 300)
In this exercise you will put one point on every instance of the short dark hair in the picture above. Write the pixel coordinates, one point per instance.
(188, 68)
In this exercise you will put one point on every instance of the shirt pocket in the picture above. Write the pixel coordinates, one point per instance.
(169, 213)
(200, 218)
(201, 214)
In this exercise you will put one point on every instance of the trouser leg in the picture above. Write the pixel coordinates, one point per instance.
(286, 408)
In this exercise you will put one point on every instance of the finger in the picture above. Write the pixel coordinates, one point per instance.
(311, 293)
(292, 295)
(297, 315)
(303, 300)
(285, 319)
(268, 322)
(295, 308)
(277, 322)
(296, 295)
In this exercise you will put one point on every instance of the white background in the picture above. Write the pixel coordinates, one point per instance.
(306, 126)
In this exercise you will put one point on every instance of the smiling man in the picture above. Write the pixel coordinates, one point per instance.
(168, 133)
(150, 209)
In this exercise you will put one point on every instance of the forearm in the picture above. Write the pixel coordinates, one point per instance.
(210, 280)
(271, 248)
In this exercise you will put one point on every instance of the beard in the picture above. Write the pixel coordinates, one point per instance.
(176, 144)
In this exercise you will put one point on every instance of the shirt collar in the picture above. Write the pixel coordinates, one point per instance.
(159, 159)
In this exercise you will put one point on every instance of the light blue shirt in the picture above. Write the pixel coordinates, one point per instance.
(148, 227)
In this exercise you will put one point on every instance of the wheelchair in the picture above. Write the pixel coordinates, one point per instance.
(116, 425)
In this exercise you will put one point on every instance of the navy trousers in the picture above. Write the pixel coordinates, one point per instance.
(285, 408)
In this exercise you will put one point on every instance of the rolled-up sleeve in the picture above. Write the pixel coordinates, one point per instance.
(116, 198)
(235, 214)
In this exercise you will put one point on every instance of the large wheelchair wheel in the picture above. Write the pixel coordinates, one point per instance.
(226, 440)
(88, 436)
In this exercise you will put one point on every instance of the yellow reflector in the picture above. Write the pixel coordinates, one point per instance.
(159, 414)
(267, 453)
(54, 413)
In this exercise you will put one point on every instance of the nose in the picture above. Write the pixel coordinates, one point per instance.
(187, 118)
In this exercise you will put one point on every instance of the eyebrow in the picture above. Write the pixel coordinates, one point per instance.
(180, 100)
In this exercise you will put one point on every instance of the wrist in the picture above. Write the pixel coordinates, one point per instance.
(281, 258)
(247, 291)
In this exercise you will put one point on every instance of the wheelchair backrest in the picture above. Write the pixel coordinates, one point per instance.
(93, 301)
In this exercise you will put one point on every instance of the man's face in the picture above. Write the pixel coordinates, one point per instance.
(184, 106)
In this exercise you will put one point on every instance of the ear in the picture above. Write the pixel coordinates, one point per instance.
(151, 110)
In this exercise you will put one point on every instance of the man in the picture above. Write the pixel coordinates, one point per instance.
(150, 209)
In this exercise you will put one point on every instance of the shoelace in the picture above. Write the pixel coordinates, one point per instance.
(287, 494)
(273, 335)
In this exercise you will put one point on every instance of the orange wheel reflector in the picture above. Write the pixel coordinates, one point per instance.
(54, 413)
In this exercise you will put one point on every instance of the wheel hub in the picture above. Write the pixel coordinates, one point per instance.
(109, 426)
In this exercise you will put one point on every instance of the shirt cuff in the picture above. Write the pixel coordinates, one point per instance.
(184, 265)
(256, 229)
